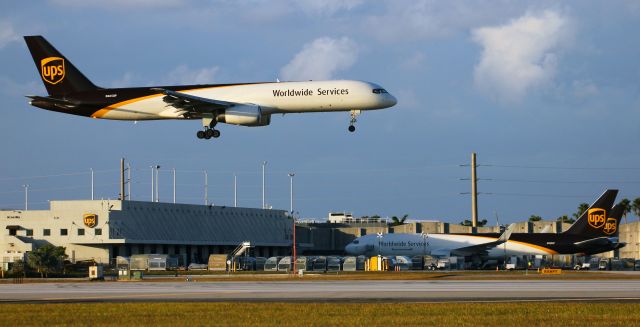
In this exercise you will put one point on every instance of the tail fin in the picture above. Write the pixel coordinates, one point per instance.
(613, 220)
(59, 75)
(593, 222)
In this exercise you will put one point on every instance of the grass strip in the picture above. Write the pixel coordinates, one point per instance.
(321, 314)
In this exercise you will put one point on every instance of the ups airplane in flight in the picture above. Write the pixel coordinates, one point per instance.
(245, 104)
(596, 231)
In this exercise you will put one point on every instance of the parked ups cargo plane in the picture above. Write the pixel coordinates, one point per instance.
(245, 104)
(594, 232)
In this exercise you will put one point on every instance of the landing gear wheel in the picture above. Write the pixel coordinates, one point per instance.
(200, 134)
(207, 136)
(216, 133)
(352, 128)
(208, 133)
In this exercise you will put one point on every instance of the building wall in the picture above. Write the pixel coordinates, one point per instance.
(630, 234)
(133, 227)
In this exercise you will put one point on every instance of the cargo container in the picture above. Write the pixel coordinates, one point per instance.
(260, 261)
(353, 263)
(285, 264)
(304, 263)
(272, 264)
(218, 262)
(153, 262)
(334, 264)
(320, 263)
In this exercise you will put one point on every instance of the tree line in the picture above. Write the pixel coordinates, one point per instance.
(627, 205)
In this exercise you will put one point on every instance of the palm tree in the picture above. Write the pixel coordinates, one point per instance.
(581, 209)
(626, 208)
(46, 258)
(395, 221)
(535, 218)
(566, 219)
(635, 207)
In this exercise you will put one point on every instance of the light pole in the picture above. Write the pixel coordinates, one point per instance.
(291, 192)
(129, 181)
(379, 236)
(264, 163)
(293, 241)
(152, 182)
(206, 188)
(157, 173)
(26, 196)
(91, 183)
(235, 190)
(174, 185)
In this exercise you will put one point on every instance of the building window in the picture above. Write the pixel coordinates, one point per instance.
(98, 231)
(29, 232)
(64, 232)
(13, 232)
(46, 232)
(80, 231)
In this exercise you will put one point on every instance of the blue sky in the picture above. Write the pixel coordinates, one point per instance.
(547, 93)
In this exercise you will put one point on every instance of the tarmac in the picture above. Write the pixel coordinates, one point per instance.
(326, 291)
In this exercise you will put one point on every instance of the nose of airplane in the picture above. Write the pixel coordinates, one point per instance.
(349, 248)
(391, 100)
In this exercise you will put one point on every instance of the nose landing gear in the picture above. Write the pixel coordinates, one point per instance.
(354, 114)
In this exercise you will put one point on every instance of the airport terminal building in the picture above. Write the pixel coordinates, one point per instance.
(101, 230)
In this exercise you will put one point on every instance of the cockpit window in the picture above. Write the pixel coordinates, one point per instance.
(379, 91)
(356, 242)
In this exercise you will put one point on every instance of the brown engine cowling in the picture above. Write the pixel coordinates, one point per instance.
(245, 115)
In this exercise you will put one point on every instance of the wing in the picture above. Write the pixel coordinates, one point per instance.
(192, 103)
(484, 248)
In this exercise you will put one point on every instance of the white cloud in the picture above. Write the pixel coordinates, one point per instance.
(7, 34)
(423, 19)
(326, 7)
(121, 4)
(321, 59)
(521, 55)
(185, 75)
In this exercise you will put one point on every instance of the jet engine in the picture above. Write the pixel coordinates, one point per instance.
(245, 115)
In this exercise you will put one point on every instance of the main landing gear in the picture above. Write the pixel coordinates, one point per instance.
(209, 129)
(208, 133)
(354, 114)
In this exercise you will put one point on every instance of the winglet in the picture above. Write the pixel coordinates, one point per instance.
(507, 233)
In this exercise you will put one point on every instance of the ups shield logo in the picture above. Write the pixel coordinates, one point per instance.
(90, 220)
(597, 217)
(52, 69)
(611, 226)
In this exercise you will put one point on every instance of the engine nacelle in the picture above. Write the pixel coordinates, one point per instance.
(245, 115)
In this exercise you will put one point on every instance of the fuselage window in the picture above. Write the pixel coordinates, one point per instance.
(379, 91)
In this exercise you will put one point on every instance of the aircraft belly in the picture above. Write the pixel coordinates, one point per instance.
(147, 109)
(517, 249)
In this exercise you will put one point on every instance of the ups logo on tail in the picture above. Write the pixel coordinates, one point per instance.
(611, 226)
(52, 69)
(597, 217)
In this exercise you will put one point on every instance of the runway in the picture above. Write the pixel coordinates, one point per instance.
(325, 291)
